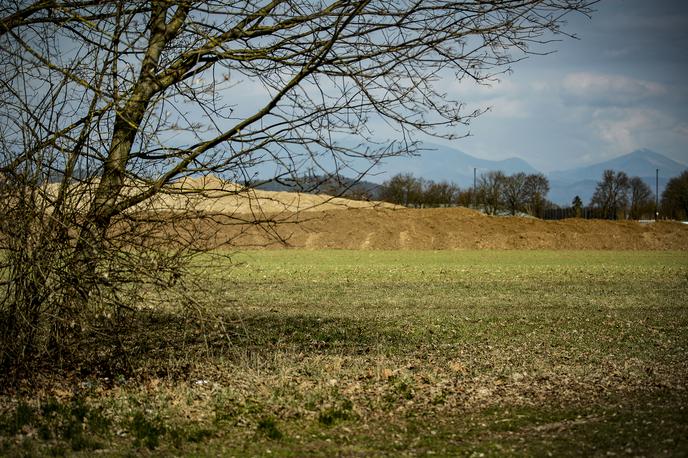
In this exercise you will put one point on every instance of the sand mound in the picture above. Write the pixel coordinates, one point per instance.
(256, 202)
(316, 221)
(209, 194)
(456, 228)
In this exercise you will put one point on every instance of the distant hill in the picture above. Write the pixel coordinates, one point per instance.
(334, 186)
(446, 163)
(434, 162)
(562, 193)
(581, 181)
(439, 162)
(642, 163)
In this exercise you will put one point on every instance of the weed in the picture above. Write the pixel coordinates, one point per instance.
(24, 415)
(97, 422)
(267, 426)
(146, 431)
(401, 390)
(58, 450)
(188, 433)
(339, 412)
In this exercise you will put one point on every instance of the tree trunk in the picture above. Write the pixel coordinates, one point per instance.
(127, 123)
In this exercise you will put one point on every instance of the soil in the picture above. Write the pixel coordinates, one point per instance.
(320, 221)
(452, 229)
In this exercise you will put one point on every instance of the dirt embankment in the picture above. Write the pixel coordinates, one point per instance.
(226, 212)
(452, 228)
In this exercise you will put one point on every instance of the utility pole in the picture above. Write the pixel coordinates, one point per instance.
(656, 194)
(475, 191)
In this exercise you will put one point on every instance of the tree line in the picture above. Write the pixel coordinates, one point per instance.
(495, 193)
(616, 196)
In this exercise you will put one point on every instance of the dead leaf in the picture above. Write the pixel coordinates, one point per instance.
(457, 366)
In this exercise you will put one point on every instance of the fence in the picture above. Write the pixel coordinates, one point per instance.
(588, 213)
(570, 212)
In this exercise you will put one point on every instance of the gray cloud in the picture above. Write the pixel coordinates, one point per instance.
(595, 89)
(623, 85)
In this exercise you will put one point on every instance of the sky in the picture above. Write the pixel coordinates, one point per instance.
(621, 86)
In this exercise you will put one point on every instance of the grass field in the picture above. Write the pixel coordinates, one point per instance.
(370, 353)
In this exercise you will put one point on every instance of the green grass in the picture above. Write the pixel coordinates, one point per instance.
(318, 353)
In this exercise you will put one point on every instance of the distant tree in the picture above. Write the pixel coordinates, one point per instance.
(403, 189)
(359, 193)
(642, 198)
(442, 194)
(577, 205)
(490, 191)
(536, 189)
(525, 193)
(611, 194)
(675, 197)
(467, 198)
(514, 192)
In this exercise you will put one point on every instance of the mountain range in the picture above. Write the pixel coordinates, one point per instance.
(642, 163)
(438, 162)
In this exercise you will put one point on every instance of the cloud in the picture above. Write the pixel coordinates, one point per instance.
(681, 129)
(595, 89)
(509, 108)
(619, 131)
(616, 53)
(504, 98)
(626, 129)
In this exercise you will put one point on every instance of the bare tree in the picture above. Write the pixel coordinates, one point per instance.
(675, 197)
(611, 194)
(490, 191)
(537, 188)
(403, 189)
(440, 194)
(642, 200)
(514, 192)
(467, 198)
(525, 193)
(109, 105)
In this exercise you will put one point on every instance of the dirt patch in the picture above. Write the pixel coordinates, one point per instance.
(454, 228)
